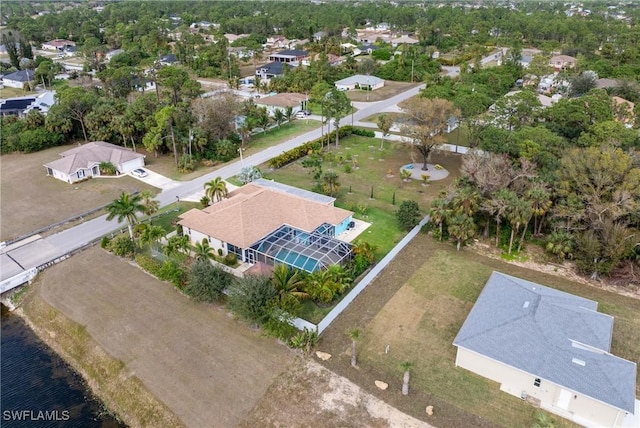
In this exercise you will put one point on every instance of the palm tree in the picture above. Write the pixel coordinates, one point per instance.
(461, 227)
(288, 113)
(502, 199)
(330, 185)
(216, 189)
(288, 284)
(150, 205)
(541, 202)
(354, 335)
(278, 116)
(406, 366)
(203, 250)
(177, 246)
(439, 212)
(151, 235)
(518, 212)
(125, 208)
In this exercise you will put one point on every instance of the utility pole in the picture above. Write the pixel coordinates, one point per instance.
(411, 71)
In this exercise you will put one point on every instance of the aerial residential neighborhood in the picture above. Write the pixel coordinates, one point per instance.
(320, 213)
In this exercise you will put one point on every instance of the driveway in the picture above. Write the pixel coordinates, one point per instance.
(157, 180)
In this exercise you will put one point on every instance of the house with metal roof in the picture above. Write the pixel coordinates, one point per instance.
(84, 161)
(271, 70)
(549, 348)
(289, 56)
(360, 81)
(272, 223)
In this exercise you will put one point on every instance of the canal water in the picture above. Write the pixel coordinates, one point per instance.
(38, 389)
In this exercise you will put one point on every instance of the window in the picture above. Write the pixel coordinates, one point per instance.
(536, 382)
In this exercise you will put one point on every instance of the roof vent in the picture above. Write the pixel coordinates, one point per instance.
(578, 362)
(525, 304)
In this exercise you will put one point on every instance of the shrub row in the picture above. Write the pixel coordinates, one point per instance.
(315, 146)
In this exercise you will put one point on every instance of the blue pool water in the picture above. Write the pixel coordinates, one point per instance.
(296, 259)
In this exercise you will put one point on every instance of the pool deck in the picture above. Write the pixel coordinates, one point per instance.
(351, 235)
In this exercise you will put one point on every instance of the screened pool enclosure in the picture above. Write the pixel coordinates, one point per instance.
(299, 249)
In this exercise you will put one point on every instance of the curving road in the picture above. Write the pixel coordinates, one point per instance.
(35, 253)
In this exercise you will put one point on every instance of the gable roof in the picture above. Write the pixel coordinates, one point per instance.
(90, 154)
(550, 334)
(20, 76)
(252, 211)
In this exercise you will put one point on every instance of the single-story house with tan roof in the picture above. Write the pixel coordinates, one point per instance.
(84, 161)
(271, 223)
(57, 44)
(549, 348)
(282, 101)
(562, 62)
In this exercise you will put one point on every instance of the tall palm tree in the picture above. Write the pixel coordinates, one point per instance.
(216, 189)
(439, 212)
(406, 366)
(518, 213)
(203, 250)
(461, 227)
(125, 208)
(541, 202)
(354, 335)
(502, 199)
(150, 205)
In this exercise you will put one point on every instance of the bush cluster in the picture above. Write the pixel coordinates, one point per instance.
(315, 146)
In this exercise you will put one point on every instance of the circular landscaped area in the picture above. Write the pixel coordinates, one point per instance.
(435, 172)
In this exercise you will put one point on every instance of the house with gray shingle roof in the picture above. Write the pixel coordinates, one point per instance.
(84, 161)
(549, 348)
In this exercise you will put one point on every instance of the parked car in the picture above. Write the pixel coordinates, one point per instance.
(139, 172)
(302, 114)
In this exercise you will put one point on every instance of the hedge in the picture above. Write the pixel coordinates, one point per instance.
(315, 146)
(149, 264)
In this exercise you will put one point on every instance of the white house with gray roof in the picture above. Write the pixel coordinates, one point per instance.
(83, 162)
(549, 348)
(360, 81)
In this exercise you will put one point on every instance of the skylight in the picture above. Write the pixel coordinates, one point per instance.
(578, 362)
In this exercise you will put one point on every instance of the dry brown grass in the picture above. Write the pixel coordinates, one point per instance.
(206, 367)
(31, 200)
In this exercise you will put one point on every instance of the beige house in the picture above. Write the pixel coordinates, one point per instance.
(282, 101)
(549, 348)
(84, 161)
(268, 222)
(562, 62)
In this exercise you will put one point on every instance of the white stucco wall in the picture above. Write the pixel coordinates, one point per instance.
(195, 236)
(130, 165)
(581, 409)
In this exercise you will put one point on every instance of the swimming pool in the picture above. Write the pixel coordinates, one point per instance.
(296, 259)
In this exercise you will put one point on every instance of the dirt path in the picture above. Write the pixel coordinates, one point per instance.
(208, 368)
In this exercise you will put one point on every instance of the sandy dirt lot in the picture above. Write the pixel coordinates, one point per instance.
(31, 200)
(209, 369)
(309, 395)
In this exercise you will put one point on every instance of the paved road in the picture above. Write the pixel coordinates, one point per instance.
(43, 250)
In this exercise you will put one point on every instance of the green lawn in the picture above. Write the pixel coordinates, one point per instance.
(278, 135)
(370, 167)
(166, 215)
